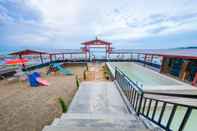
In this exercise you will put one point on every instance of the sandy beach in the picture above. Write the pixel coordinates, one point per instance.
(23, 108)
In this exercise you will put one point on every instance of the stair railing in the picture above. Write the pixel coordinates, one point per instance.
(152, 108)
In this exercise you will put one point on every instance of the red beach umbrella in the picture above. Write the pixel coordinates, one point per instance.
(16, 62)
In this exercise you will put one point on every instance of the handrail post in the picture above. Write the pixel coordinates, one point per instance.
(115, 73)
(140, 103)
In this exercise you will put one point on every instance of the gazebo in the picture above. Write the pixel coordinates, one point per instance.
(97, 43)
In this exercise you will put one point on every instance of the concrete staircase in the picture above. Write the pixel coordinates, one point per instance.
(97, 106)
(96, 122)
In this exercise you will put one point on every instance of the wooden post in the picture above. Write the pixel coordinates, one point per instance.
(183, 72)
(162, 68)
(165, 65)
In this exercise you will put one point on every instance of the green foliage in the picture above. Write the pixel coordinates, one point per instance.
(77, 82)
(63, 105)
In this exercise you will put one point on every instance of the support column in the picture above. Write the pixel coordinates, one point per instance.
(86, 57)
(183, 71)
(131, 56)
(55, 57)
(138, 56)
(41, 59)
(145, 57)
(50, 57)
(151, 59)
(63, 57)
(164, 66)
(23, 65)
(71, 56)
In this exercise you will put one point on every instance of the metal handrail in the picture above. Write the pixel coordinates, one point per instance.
(142, 104)
(172, 94)
(116, 68)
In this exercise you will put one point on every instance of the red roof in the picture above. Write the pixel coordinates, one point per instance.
(27, 52)
(96, 42)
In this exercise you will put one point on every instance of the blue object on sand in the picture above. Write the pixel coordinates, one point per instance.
(61, 69)
(32, 79)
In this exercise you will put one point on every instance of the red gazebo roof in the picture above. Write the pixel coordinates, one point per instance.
(27, 52)
(96, 42)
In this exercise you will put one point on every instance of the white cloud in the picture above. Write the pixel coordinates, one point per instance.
(29, 38)
(110, 19)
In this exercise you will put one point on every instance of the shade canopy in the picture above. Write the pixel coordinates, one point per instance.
(28, 52)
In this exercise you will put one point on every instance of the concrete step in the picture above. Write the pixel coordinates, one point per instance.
(106, 121)
(98, 116)
(54, 128)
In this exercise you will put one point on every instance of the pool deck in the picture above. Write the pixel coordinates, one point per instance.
(180, 88)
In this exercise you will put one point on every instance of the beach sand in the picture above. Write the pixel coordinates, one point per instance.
(23, 108)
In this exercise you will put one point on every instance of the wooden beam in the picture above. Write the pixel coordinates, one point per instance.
(183, 71)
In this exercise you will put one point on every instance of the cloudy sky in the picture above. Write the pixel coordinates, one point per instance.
(55, 24)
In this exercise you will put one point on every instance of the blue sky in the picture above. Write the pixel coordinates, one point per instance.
(55, 24)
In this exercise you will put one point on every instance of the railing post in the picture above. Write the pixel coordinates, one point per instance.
(116, 73)
(140, 103)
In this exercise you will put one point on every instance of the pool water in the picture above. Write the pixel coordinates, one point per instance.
(144, 76)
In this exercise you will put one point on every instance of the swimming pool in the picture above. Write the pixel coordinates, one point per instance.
(146, 78)
(152, 80)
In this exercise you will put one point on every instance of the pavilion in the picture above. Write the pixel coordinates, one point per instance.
(97, 43)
